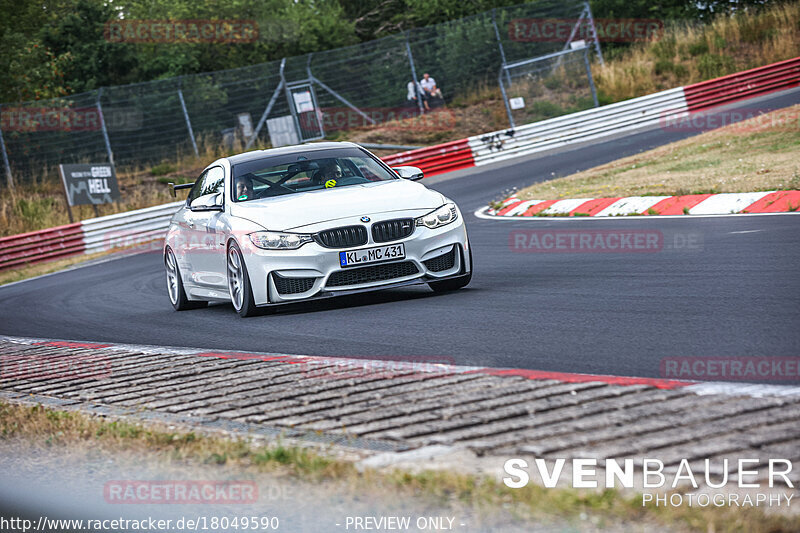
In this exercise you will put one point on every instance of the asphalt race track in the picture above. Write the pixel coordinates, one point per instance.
(734, 292)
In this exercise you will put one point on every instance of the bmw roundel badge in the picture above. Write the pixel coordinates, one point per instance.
(364, 219)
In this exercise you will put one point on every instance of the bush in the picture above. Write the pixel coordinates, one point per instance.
(162, 169)
(663, 66)
(552, 82)
(714, 66)
(666, 48)
(680, 71)
(698, 48)
(546, 109)
(36, 209)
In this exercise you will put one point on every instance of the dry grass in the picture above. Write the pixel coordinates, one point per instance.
(439, 126)
(40, 203)
(44, 427)
(39, 428)
(692, 53)
(759, 154)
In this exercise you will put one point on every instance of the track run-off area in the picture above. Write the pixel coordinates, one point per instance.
(717, 287)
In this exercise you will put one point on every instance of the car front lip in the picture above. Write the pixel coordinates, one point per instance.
(314, 260)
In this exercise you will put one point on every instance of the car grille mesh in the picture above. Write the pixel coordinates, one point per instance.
(392, 230)
(441, 263)
(370, 274)
(343, 237)
(292, 285)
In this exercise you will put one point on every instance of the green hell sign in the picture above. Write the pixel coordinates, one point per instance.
(89, 184)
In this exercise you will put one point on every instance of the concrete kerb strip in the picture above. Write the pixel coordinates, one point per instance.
(385, 414)
(637, 207)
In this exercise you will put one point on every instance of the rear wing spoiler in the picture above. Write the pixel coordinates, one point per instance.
(174, 187)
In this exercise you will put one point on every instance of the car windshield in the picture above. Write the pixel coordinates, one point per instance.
(305, 171)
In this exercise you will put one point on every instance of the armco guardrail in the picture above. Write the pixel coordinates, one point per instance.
(577, 127)
(742, 85)
(635, 113)
(87, 237)
(36, 246)
(437, 159)
(135, 227)
(126, 229)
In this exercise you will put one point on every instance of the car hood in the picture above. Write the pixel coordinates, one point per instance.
(296, 211)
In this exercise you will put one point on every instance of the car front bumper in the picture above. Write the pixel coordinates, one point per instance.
(310, 268)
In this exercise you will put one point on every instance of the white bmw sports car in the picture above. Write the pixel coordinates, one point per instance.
(277, 226)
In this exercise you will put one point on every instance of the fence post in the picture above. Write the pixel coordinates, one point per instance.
(414, 75)
(292, 110)
(103, 127)
(343, 100)
(594, 34)
(314, 97)
(9, 177)
(267, 110)
(589, 75)
(186, 116)
(505, 98)
(500, 44)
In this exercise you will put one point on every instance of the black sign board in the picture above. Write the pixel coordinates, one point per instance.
(90, 184)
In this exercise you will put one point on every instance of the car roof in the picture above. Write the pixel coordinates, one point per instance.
(294, 149)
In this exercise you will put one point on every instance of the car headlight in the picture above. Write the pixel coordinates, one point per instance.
(440, 217)
(273, 240)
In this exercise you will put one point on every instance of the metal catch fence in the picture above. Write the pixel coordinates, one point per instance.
(291, 100)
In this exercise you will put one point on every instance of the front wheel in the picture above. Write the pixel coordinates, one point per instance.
(177, 294)
(239, 283)
(453, 284)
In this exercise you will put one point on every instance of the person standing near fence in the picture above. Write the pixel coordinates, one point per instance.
(416, 92)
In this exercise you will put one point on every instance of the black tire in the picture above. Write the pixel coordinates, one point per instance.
(453, 284)
(175, 290)
(239, 280)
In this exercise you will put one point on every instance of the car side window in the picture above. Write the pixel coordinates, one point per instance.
(210, 182)
(194, 193)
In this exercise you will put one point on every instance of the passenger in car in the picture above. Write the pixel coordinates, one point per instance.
(244, 188)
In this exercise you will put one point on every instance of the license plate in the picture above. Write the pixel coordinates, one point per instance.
(372, 255)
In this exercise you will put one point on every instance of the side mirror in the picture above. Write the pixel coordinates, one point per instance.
(210, 202)
(409, 173)
(174, 187)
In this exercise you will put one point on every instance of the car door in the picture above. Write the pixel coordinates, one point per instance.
(206, 243)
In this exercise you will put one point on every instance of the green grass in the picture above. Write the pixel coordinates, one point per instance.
(754, 155)
(694, 165)
(163, 169)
